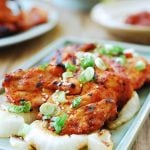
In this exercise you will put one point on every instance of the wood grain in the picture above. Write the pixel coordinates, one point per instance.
(71, 23)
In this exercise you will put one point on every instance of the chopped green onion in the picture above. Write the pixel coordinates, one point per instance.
(121, 60)
(48, 109)
(23, 108)
(70, 67)
(111, 50)
(67, 74)
(86, 75)
(59, 96)
(24, 130)
(116, 50)
(100, 64)
(79, 55)
(59, 122)
(43, 66)
(140, 65)
(87, 61)
(76, 102)
(102, 51)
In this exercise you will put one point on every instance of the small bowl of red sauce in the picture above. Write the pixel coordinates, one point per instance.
(139, 19)
(128, 20)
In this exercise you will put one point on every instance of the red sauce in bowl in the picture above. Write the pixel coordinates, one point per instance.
(141, 18)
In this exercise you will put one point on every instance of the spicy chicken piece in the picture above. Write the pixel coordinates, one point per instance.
(89, 118)
(11, 23)
(7, 20)
(6, 14)
(137, 76)
(31, 18)
(31, 85)
(108, 85)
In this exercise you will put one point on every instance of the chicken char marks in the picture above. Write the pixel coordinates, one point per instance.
(90, 117)
(101, 97)
(32, 85)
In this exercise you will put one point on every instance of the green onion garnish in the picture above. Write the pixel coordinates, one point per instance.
(59, 96)
(76, 102)
(43, 66)
(121, 60)
(79, 55)
(116, 50)
(111, 50)
(102, 51)
(67, 74)
(140, 65)
(48, 109)
(100, 64)
(86, 75)
(70, 67)
(87, 60)
(24, 107)
(59, 122)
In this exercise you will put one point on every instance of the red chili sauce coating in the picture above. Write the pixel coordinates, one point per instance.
(141, 18)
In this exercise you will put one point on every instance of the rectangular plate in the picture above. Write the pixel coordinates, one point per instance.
(124, 136)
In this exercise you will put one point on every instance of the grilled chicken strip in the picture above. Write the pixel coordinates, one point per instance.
(90, 117)
(108, 84)
(137, 78)
(32, 85)
(11, 23)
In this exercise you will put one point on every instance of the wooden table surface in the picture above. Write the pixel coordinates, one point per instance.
(71, 23)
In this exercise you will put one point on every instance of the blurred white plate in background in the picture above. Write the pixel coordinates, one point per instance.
(34, 31)
(112, 15)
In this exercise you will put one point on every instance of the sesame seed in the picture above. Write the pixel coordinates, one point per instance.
(80, 85)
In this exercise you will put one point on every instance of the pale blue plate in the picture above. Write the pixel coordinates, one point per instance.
(125, 135)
